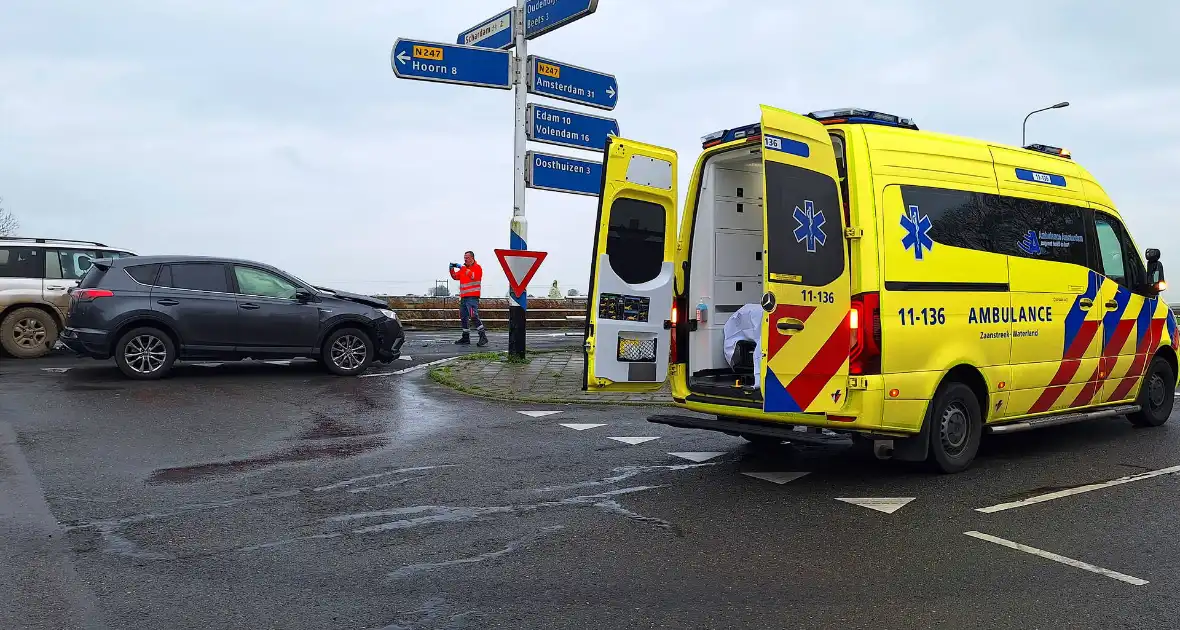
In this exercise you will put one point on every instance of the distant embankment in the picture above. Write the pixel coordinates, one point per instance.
(431, 312)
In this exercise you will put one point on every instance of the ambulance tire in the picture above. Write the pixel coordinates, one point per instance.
(1155, 395)
(956, 428)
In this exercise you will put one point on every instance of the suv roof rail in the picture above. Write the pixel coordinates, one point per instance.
(50, 240)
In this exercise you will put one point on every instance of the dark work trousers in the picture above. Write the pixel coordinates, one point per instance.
(469, 311)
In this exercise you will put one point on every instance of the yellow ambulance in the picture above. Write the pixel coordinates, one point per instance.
(910, 289)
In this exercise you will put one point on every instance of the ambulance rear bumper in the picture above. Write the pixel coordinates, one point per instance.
(736, 426)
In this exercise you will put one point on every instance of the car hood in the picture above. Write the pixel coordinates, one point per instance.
(367, 300)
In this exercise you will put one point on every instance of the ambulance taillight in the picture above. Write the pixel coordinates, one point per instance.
(864, 322)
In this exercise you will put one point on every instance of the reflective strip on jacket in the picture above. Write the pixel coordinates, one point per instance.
(470, 279)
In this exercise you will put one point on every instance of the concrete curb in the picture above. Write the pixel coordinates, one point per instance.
(442, 375)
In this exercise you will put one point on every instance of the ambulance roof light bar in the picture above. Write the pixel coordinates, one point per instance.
(749, 133)
(827, 117)
(862, 116)
(1044, 148)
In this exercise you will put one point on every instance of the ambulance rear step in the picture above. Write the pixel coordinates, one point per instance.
(735, 426)
(1066, 418)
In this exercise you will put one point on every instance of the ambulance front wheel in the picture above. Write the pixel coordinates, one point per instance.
(1155, 395)
(955, 428)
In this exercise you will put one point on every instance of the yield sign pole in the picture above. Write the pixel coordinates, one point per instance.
(518, 229)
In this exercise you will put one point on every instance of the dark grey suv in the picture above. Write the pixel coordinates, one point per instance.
(149, 311)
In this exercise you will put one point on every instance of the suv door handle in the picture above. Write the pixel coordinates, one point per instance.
(1085, 303)
(167, 302)
(249, 307)
(1112, 304)
(789, 325)
(54, 287)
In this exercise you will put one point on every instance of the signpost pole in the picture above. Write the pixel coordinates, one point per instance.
(518, 237)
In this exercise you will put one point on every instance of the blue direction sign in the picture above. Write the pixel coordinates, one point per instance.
(494, 33)
(448, 63)
(564, 174)
(542, 16)
(565, 82)
(569, 129)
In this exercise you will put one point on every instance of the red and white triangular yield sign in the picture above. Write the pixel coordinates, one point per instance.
(520, 266)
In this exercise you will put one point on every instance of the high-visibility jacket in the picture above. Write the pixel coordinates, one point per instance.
(470, 278)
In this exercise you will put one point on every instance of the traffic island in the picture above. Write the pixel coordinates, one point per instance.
(550, 377)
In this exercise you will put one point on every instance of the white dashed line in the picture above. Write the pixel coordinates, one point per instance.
(1041, 498)
(633, 440)
(697, 456)
(776, 477)
(1078, 564)
(888, 505)
(538, 414)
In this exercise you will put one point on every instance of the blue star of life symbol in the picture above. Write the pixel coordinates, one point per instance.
(917, 227)
(811, 226)
(1030, 244)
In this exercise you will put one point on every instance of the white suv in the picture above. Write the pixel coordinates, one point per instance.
(36, 275)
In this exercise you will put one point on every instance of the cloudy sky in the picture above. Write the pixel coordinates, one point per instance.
(275, 130)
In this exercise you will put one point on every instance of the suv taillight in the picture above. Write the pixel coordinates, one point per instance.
(87, 295)
(864, 354)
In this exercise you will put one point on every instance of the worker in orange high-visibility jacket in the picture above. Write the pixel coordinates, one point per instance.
(470, 277)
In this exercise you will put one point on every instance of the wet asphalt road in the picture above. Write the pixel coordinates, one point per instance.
(270, 496)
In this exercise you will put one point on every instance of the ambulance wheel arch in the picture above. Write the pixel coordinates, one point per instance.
(632, 275)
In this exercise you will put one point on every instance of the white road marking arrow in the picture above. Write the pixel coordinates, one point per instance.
(610, 91)
(56, 370)
(633, 440)
(538, 414)
(401, 57)
(697, 456)
(776, 477)
(888, 505)
(582, 427)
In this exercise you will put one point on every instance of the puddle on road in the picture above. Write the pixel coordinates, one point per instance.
(296, 454)
(364, 420)
(328, 427)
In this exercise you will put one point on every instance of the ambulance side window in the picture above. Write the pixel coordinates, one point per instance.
(1111, 255)
(635, 240)
(1040, 230)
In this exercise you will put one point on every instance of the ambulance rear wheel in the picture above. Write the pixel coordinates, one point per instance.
(1155, 395)
(955, 428)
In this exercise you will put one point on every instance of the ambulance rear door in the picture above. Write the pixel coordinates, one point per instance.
(806, 327)
(632, 275)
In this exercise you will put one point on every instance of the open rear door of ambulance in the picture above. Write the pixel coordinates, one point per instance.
(632, 273)
(806, 325)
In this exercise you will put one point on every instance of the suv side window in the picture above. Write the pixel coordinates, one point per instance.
(143, 274)
(68, 264)
(262, 283)
(22, 262)
(197, 277)
(1116, 260)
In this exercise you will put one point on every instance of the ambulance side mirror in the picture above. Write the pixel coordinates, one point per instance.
(1155, 271)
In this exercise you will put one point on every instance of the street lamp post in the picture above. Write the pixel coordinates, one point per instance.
(1024, 127)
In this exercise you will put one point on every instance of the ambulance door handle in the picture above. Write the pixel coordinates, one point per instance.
(1112, 304)
(1085, 303)
(789, 326)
